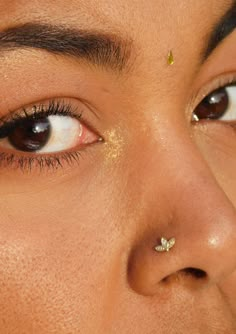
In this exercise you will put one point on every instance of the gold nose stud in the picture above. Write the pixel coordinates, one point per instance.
(166, 245)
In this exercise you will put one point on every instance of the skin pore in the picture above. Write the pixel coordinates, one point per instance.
(78, 226)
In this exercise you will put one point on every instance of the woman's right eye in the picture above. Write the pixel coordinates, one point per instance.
(45, 135)
(48, 134)
(218, 105)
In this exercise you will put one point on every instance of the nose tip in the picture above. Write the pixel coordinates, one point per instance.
(199, 257)
(184, 201)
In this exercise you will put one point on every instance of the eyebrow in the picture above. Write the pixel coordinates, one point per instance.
(223, 29)
(99, 49)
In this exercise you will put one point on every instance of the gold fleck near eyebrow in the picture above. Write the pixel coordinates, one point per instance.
(99, 49)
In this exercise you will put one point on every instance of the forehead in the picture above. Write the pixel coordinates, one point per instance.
(131, 16)
(154, 26)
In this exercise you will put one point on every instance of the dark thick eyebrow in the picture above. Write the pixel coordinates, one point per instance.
(99, 49)
(223, 28)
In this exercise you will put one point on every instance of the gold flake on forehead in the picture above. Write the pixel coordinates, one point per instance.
(170, 59)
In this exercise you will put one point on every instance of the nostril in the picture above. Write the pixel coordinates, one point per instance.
(194, 272)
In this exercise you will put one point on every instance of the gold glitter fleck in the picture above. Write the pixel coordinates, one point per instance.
(114, 145)
(170, 58)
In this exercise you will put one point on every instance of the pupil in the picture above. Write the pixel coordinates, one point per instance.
(30, 135)
(214, 105)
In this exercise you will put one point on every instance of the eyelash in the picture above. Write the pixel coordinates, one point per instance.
(54, 108)
(45, 161)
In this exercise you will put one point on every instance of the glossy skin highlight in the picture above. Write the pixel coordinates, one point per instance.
(77, 243)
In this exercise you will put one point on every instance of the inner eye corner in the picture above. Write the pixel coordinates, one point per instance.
(194, 119)
(101, 140)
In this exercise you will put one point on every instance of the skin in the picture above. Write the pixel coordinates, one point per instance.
(76, 244)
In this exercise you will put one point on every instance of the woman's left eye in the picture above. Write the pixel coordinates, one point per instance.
(218, 105)
(47, 134)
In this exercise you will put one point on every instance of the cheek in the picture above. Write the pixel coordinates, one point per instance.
(59, 249)
(229, 287)
(217, 143)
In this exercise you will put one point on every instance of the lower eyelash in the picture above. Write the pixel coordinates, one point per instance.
(41, 162)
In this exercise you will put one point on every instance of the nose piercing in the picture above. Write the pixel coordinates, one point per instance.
(166, 245)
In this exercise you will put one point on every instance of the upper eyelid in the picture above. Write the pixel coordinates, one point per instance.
(36, 111)
(40, 107)
(85, 104)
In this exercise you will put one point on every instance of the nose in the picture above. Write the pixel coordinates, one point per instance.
(189, 205)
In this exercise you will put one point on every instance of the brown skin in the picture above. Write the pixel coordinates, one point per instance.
(76, 244)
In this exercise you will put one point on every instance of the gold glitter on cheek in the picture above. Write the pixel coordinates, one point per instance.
(114, 145)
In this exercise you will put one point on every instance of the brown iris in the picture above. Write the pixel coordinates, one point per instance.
(30, 135)
(213, 106)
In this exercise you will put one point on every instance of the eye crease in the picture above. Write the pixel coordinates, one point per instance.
(44, 134)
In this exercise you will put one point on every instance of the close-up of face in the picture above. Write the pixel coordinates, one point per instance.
(117, 167)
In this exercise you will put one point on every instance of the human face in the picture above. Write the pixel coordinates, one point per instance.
(107, 153)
